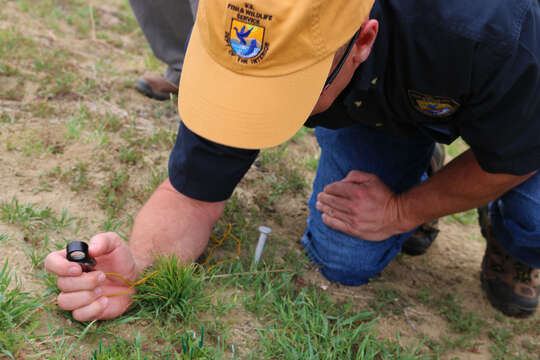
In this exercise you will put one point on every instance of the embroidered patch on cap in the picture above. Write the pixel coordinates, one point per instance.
(246, 39)
(246, 34)
(433, 106)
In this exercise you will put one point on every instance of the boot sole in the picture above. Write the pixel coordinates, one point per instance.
(145, 89)
(414, 249)
(509, 309)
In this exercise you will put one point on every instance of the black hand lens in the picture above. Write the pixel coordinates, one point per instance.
(77, 251)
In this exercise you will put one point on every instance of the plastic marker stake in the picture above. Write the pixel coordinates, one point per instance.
(264, 230)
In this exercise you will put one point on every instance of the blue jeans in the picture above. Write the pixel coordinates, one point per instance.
(401, 164)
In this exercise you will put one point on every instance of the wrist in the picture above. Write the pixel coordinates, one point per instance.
(407, 218)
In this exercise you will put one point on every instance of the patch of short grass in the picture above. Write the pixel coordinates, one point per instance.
(77, 177)
(40, 109)
(37, 253)
(113, 195)
(4, 238)
(466, 324)
(6, 118)
(28, 216)
(119, 350)
(131, 156)
(311, 163)
(17, 313)
(12, 44)
(388, 300)
(303, 323)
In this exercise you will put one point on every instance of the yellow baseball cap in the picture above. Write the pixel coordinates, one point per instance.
(254, 69)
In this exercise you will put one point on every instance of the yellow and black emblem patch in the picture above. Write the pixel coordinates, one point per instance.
(433, 106)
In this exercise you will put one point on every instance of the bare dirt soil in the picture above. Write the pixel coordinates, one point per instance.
(418, 297)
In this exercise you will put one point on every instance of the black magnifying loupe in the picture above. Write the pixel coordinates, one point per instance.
(77, 251)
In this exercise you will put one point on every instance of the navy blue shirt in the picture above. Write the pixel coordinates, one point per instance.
(438, 70)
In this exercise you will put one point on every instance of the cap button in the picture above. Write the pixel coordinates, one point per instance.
(358, 103)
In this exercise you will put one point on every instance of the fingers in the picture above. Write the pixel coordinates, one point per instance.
(336, 224)
(78, 299)
(341, 189)
(333, 212)
(103, 244)
(86, 281)
(358, 176)
(364, 232)
(57, 263)
(336, 202)
(92, 311)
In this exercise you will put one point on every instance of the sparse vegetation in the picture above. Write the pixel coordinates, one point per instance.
(81, 152)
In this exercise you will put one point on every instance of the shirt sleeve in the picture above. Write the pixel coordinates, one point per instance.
(502, 122)
(204, 170)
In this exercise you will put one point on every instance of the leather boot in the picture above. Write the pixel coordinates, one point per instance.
(155, 87)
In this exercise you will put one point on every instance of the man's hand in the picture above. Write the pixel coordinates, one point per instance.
(362, 206)
(84, 293)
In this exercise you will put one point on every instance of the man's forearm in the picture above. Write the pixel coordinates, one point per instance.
(170, 222)
(461, 185)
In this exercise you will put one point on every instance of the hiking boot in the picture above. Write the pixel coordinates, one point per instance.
(510, 285)
(420, 241)
(155, 87)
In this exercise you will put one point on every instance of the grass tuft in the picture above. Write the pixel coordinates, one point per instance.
(17, 308)
(175, 290)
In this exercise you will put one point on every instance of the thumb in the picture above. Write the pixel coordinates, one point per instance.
(359, 177)
(103, 244)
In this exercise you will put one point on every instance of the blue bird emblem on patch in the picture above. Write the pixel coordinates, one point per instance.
(246, 40)
(242, 34)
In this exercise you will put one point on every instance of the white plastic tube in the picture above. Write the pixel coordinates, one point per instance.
(264, 232)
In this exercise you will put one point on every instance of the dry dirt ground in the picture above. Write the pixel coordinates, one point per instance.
(59, 72)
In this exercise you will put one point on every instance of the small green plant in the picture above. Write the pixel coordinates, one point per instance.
(4, 238)
(119, 350)
(40, 109)
(175, 289)
(77, 177)
(7, 70)
(113, 195)
(33, 145)
(162, 139)
(60, 341)
(388, 300)
(130, 155)
(17, 309)
(77, 123)
(27, 216)
(110, 123)
(155, 178)
(192, 348)
(311, 163)
(62, 222)
(37, 254)
(6, 118)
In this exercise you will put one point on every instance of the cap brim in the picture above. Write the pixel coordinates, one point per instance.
(245, 111)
